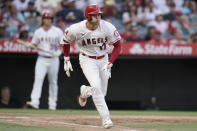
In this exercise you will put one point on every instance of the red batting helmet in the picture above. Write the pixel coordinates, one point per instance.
(91, 10)
(47, 15)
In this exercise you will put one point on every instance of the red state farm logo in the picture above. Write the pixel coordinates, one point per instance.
(136, 49)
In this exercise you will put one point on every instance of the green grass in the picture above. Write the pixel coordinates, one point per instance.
(42, 111)
(157, 113)
(94, 112)
(168, 127)
(16, 127)
(161, 127)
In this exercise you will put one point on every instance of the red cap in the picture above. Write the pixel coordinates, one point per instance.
(47, 15)
(157, 32)
(178, 12)
(90, 10)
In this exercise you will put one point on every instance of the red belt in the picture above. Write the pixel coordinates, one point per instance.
(94, 57)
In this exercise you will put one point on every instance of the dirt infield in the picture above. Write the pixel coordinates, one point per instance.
(90, 122)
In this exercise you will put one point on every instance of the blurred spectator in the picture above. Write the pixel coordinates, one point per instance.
(126, 4)
(70, 14)
(184, 8)
(177, 37)
(161, 6)
(148, 13)
(21, 4)
(157, 39)
(175, 23)
(126, 17)
(127, 33)
(193, 14)
(182, 22)
(134, 37)
(137, 3)
(60, 23)
(178, 15)
(110, 13)
(5, 7)
(30, 13)
(100, 3)
(81, 4)
(171, 14)
(32, 17)
(159, 3)
(14, 20)
(131, 14)
(159, 23)
(109, 9)
(3, 33)
(7, 101)
(185, 26)
(24, 33)
(194, 38)
(142, 30)
(64, 4)
(1, 3)
(43, 6)
(150, 33)
(178, 3)
(117, 22)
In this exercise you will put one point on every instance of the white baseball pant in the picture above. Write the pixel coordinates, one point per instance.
(45, 66)
(92, 69)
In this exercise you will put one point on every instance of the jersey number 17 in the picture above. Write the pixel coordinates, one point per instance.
(103, 46)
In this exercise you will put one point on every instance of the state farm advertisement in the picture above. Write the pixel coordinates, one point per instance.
(159, 49)
(7, 46)
(143, 49)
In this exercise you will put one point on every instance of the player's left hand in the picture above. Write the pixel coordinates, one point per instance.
(107, 70)
(67, 66)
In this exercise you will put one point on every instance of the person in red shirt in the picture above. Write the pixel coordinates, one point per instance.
(134, 35)
(157, 39)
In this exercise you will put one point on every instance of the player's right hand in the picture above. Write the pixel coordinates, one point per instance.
(67, 66)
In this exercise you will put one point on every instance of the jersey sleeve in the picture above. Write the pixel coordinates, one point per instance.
(68, 36)
(113, 34)
(35, 39)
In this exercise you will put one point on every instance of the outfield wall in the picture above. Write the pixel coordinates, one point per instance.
(171, 80)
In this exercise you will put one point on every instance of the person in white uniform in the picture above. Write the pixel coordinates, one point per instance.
(47, 39)
(93, 36)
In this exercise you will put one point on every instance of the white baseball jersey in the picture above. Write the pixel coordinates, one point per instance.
(91, 42)
(47, 40)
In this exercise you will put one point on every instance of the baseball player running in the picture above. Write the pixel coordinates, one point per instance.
(93, 36)
(47, 39)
